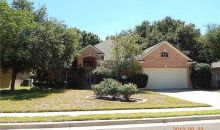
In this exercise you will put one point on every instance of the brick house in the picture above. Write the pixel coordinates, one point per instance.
(166, 66)
(90, 55)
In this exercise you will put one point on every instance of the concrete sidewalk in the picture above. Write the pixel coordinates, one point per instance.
(106, 123)
(76, 113)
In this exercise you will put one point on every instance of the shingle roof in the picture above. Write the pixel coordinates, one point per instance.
(100, 52)
(216, 64)
(106, 48)
(150, 48)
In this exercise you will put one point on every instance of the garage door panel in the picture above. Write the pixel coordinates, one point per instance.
(166, 78)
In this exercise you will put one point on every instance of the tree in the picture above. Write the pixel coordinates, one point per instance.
(27, 43)
(53, 45)
(143, 29)
(125, 53)
(204, 53)
(213, 40)
(23, 5)
(88, 38)
(40, 14)
(209, 45)
(15, 29)
(181, 35)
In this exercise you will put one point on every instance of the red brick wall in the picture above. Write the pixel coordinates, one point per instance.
(154, 59)
(87, 52)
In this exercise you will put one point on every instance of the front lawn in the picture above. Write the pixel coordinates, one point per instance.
(105, 116)
(74, 100)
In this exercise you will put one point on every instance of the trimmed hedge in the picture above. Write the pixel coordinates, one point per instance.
(201, 76)
(140, 80)
(53, 85)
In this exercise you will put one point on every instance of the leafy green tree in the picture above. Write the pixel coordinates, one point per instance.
(40, 14)
(53, 45)
(181, 35)
(208, 45)
(125, 53)
(204, 53)
(88, 38)
(27, 43)
(23, 5)
(143, 29)
(15, 29)
(213, 40)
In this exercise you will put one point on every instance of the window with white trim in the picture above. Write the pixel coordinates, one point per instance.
(164, 54)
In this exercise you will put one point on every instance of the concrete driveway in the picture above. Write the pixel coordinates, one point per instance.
(199, 96)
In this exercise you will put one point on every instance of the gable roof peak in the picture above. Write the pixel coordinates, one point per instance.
(152, 48)
(92, 47)
(164, 42)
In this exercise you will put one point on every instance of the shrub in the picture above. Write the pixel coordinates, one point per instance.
(108, 87)
(112, 87)
(76, 83)
(100, 73)
(41, 85)
(201, 76)
(127, 90)
(58, 84)
(99, 90)
(140, 80)
(81, 71)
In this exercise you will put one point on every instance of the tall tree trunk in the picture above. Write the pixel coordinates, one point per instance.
(13, 78)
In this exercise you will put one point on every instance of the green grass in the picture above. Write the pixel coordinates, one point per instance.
(18, 88)
(74, 100)
(105, 116)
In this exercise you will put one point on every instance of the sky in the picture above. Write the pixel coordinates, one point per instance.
(108, 17)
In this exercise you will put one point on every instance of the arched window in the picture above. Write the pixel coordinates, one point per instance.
(164, 54)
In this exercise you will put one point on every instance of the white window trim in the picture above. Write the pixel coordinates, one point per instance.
(164, 54)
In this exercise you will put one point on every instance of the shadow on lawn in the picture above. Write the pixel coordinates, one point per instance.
(25, 94)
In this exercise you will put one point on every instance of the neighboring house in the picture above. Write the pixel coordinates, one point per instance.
(5, 78)
(165, 65)
(215, 74)
(90, 55)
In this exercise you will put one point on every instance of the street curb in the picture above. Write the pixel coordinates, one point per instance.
(105, 122)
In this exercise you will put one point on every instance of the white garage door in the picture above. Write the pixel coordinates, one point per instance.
(166, 78)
